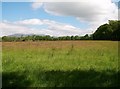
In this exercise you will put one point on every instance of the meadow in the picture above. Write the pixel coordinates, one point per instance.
(60, 64)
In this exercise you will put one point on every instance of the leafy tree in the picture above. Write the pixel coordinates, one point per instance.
(72, 37)
(103, 32)
(116, 32)
(109, 31)
(77, 38)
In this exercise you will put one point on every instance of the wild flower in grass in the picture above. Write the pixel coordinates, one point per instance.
(70, 50)
(52, 53)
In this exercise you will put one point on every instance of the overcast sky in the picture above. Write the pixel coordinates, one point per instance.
(56, 18)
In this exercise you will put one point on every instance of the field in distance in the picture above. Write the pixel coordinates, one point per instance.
(60, 64)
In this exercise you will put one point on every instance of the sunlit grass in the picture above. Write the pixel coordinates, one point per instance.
(60, 63)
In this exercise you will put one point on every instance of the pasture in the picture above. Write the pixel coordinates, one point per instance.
(60, 64)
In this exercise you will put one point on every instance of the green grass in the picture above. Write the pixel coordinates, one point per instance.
(60, 64)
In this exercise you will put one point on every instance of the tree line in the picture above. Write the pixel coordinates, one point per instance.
(44, 38)
(110, 31)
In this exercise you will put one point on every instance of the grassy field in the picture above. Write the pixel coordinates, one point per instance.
(60, 64)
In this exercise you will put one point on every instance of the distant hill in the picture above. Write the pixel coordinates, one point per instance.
(24, 35)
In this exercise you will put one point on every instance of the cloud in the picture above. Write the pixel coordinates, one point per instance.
(30, 22)
(36, 5)
(86, 10)
(118, 10)
(94, 12)
(9, 28)
(53, 28)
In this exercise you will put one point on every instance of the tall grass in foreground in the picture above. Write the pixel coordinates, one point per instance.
(60, 64)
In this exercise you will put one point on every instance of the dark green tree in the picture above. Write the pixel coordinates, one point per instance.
(104, 32)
